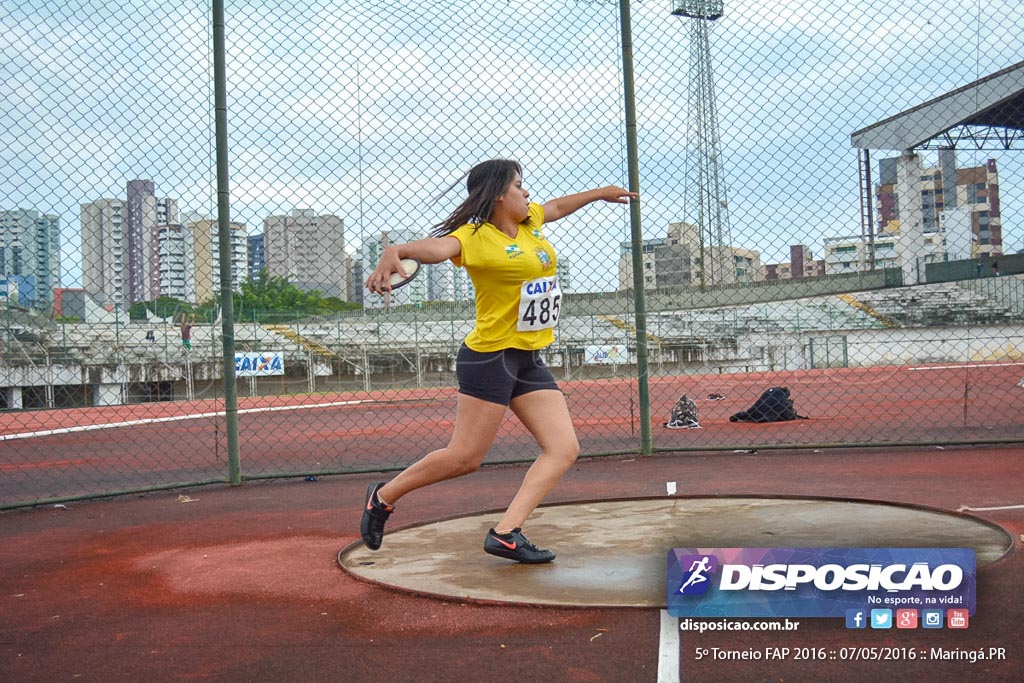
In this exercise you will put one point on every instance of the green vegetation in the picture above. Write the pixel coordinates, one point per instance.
(161, 307)
(265, 299)
(274, 299)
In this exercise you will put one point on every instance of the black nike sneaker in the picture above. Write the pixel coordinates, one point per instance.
(514, 546)
(375, 516)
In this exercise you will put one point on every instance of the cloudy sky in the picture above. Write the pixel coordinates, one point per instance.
(370, 110)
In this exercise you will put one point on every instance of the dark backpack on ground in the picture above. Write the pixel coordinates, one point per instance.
(774, 405)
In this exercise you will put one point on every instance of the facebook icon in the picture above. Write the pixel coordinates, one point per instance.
(856, 618)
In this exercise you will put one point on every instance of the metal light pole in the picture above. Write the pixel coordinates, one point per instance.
(706, 202)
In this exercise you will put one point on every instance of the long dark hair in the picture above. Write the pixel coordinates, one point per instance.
(485, 182)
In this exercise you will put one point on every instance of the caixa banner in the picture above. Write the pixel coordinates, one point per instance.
(265, 364)
(816, 582)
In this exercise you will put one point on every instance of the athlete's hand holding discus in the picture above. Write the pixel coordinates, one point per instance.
(397, 261)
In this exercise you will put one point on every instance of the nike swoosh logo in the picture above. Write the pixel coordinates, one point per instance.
(510, 546)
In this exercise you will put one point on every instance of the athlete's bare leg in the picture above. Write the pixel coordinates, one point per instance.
(476, 424)
(546, 415)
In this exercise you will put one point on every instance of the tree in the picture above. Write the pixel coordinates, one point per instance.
(266, 299)
(161, 307)
(274, 298)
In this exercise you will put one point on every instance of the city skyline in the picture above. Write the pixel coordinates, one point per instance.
(182, 258)
(180, 255)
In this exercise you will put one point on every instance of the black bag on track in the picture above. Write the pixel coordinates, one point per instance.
(774, 405)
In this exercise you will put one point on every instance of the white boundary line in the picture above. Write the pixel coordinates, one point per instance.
(966, 508)
(668, 649)
(965, 365)
(173, 418)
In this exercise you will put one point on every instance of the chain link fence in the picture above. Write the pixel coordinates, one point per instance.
(884, 291)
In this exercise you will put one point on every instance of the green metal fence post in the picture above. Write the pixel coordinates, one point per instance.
(7, 341)
(224, 242)
(629, 94)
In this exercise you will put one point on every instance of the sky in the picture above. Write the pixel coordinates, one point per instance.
(371, 110)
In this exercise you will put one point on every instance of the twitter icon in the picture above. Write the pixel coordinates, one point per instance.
(881, 618)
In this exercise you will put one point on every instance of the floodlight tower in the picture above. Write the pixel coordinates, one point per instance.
(706, 205)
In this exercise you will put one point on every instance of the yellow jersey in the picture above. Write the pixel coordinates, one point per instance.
(516, 283)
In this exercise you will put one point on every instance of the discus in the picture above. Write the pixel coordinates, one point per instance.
(411, 267)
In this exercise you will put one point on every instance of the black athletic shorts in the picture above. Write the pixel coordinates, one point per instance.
(500, 376)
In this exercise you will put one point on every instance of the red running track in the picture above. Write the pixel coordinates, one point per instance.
(52, 454)
(240, 584)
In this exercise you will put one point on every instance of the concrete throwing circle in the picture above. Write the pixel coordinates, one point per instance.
(613, 553)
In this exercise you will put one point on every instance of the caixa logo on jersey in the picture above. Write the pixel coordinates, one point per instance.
(816, 582)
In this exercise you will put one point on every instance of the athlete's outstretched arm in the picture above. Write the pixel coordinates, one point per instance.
(563, 206)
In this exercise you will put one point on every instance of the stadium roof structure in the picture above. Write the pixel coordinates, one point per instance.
(985, 114)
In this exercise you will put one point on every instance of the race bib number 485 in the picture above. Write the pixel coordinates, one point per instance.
(538, 304)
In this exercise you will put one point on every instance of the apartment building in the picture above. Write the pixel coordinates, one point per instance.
(257, 256)
(801, 264)
(309, 250)
(29, 257)
(121, 244)
(175, 266)
(946, 192)
(205, 239)
(680, 259)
